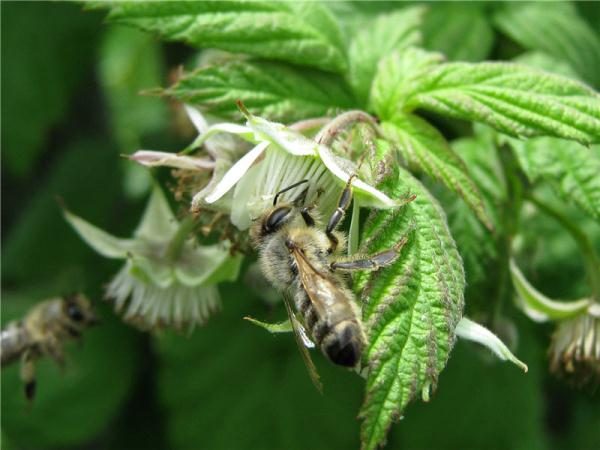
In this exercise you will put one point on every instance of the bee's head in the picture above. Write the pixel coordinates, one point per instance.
(278, 216)
(78, 309)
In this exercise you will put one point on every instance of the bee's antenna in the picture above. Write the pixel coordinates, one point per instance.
(287, 189)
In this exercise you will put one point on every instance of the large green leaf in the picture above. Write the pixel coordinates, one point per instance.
(231, 385)
(375, 40)
(555, 28)
(570, 168)
(301, 33)
(474, 241)
(425, 148)
(277, 91)
(459, 30)
(410, 309)
(397, 76)
(47, 49)
(74, 405)
(511, 98)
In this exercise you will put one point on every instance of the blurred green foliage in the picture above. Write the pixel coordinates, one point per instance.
(70, 107)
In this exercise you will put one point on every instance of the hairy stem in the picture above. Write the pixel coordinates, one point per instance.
(591, 258)
(330, 131)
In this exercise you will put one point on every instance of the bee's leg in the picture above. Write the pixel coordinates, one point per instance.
(373, 262)
(338, 214)
(308, 219)
(28, 374)
(54, 349)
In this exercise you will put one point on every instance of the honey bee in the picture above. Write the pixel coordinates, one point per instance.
(42, 332)
(305, 262)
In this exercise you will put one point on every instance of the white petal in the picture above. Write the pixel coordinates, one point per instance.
(236, 172)
(150, 158)
(370, 196)
(107, 245)
(232, 128)
(196, 118)
(289, 140)
(472, 331)
(537, 306)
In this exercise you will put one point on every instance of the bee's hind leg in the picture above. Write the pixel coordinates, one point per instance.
(373, 262)
(28, 374)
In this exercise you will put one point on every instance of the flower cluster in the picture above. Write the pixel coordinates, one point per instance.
(167, 279)
(575, 347)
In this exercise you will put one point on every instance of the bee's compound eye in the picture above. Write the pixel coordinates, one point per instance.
(276, 219)
(74, 312)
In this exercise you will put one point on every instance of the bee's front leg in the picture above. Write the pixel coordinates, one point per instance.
(28, 374)
(338, 214)
(373, 262)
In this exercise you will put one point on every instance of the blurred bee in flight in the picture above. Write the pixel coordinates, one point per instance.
(307, 264)
(43, 332)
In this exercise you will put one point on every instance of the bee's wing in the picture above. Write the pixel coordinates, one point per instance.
(322, 292)
(303, 341)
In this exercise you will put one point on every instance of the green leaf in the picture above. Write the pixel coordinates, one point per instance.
(386, 33)
(554, 28)
(262, 376)
(548, 63)
(571, 169)
(399, 74)
(107, 359)
(280, 327)
(511, 98)
(277, 91)
(50, 49)
(459, 30)
(301, 33)
(424, 147)
(410, 309)
(474, 241)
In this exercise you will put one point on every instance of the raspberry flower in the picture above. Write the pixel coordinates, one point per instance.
(167, 279)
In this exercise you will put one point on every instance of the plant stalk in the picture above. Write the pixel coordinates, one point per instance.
(591, 258)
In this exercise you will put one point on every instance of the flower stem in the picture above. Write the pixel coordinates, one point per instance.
(183, 232)
(591, 258)
(330, 131)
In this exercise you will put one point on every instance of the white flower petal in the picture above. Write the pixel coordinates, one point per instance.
(151, 158)
(537, 306)
(196, 118)
(369, 195)
(158, 222)
(231, 128)
(467, 329)
(289, 140)
(236, 172)
(107, 245)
